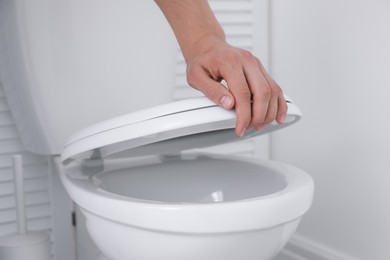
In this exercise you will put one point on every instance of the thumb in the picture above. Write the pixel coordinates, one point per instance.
(217, 93)
(226, 101)
(212, 89)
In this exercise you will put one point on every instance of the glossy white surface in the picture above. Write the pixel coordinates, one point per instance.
(67, 65)
(165, 129)
(125, 242)
(208, 204)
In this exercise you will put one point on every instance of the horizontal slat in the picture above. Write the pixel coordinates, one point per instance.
(6, 175)
(8, 216)
(34, 185)
(234, 18)
(6, 189)
(239, 41)
(29, 172)
(38, 198)
(230, 6)
(40, 224)
(6, 203)
(38, 211)
(11, 146)
(30, 186)
(237, 29)
(31, 199)
(28, 159)
(32, 213)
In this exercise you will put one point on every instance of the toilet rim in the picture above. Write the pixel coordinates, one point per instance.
(234, 216)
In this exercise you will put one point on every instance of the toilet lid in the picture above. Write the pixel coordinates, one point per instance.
(165, 129)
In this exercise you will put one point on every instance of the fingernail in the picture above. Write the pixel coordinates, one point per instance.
(259, 128)
(283, 118)
(248, 129)
(225, 102)
(242, 133)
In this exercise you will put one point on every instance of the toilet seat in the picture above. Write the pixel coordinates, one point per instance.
(164, 129)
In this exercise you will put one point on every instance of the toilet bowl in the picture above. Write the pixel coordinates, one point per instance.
(191, 207)
(146, 196)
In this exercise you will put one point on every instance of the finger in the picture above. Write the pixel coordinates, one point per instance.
(199, 79)
(272, 107)
(238, 85)
(280, 105)
(277, 109)
(261, 94)
(282, 108)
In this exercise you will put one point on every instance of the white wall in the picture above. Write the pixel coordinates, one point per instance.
(333, 58)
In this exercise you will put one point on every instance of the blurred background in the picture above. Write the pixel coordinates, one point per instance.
(332, 57)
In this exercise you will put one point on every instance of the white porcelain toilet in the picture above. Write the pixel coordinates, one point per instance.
(145, 193)
(144, 198)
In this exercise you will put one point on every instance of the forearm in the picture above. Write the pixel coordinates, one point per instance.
(193, 22)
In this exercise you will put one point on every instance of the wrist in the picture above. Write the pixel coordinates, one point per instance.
(205, 44)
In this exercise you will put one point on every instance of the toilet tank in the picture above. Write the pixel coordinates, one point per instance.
(65, 65)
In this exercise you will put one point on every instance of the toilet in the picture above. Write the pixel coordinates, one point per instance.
(145, 195)
(132, 164)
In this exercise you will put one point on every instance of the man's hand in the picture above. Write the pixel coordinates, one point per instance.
(257, 99)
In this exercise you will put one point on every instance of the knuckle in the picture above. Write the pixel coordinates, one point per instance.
(257, 122)
(267, 92)
(211, 92)
(275, 90)
(191, 77)
(229, 56)
(247, 54)
(244, 93)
